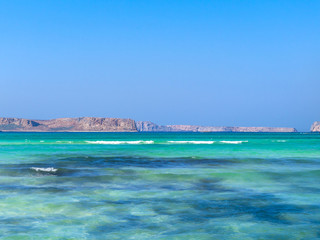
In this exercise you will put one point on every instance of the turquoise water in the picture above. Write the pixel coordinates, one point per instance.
(159, 186)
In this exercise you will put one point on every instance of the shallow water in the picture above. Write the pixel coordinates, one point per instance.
(159, 186)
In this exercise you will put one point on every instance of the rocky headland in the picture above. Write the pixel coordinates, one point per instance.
(94, 124)
(315, 127)
(83, 124)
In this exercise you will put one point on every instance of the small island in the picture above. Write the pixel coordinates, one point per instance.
(315, 127)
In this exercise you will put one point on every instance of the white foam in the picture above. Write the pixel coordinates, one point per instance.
(233, 142)
(63, 141)
(121, 142)
(280, 141)
(191, 142)
(50, 169)
(41, 141)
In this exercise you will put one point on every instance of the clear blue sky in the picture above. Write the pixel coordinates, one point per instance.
(234, 63)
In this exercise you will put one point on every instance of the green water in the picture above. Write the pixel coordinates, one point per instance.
(159, 186)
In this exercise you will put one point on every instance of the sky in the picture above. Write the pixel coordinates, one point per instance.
(215, 63)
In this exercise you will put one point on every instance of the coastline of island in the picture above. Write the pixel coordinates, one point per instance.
(96, 124)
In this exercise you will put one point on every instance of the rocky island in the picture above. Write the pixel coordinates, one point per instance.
(82, 124)
(315, 127)
(95, 124)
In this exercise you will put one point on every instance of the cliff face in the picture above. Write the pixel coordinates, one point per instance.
(146, 126)
(85, 124)
(15, 123)
(152, 127)
(315, 127)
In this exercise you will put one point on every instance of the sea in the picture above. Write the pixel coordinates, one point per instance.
(160, 186)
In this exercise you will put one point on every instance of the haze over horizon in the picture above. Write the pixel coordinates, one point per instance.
(221, 63)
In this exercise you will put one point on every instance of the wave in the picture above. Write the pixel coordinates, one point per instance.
(279, 141)
(233, 142)
(192, 142)
(121, 142)
(206, 142)
(172, 142)
(50, 169)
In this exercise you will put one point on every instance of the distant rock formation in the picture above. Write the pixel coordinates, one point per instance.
(263, 129)
(152, 127)
(315, 127)
(147, 126)
(93, 124)
(194, 128)
(83, 124)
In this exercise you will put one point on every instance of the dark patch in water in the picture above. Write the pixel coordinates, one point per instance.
(262, 207)
(190, 214)
(209, 184)
(90, 166)
(23, 189)
(146, 162)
